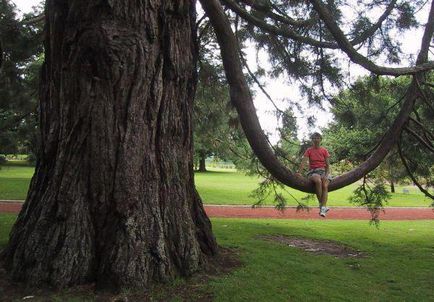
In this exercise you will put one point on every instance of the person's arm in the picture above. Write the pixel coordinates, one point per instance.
(304, 161)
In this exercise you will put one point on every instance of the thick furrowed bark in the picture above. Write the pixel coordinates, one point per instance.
(113, 198)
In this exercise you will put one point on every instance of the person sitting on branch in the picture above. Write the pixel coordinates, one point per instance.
(319, 170)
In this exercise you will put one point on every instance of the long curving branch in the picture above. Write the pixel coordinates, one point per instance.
(371, 30)
(285, 19)
(285, 32)
(242, 100)
(359, 59)
(299, 23)
(342, 41)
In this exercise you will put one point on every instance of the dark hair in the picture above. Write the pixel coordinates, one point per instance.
(316, 134)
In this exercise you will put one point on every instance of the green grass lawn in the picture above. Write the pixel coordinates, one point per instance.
(397, 263)
(14, 181)
(230, 187)
(216, 187)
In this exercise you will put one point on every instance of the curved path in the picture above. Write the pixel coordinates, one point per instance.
(390, 213)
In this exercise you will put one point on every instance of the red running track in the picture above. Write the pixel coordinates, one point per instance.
(392, 213)
(334, 213)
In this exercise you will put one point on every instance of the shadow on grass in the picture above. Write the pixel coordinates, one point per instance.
(215, 172)
(17, 163)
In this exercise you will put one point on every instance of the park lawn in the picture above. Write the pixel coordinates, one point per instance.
(218, 187)
(14, 181)
(396, 265)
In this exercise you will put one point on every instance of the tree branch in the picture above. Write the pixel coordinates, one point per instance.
(34, 20)
(9, 124)
(428, 145)
(370, 31)
(255, 79)
(276, 17)
(297, 23)
(426, 131)
(404, 161)
(424, 97)
(427, 37)
(357, 58)
(288, 33)
(242, 100)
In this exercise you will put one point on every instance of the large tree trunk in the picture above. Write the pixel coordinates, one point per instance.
(113, 199)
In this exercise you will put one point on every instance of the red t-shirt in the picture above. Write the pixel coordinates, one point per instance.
(317, 157)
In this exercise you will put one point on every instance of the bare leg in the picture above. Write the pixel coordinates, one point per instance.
(325, 192)
(316, 179)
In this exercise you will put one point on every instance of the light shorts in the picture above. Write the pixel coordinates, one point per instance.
(318, 171)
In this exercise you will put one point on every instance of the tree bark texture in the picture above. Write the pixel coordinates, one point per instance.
(113, 198)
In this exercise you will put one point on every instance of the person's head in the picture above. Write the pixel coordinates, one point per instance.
(316, 139)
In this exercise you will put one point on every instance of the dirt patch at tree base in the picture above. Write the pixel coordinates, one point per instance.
(316, 246)
(193, 288)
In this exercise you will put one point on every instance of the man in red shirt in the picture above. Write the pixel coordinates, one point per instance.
(319, 170)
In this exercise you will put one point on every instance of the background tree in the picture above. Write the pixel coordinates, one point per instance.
(212, 114)
(361, 116)
(19, 77)
(217, 131)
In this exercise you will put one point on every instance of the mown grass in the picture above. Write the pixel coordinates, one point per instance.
(14, 181)
(397, 266)
(218, 187)
(230, 187)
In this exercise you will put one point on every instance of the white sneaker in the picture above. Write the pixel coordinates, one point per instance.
(323, 211)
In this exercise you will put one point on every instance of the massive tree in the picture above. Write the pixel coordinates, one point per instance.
(113, 200)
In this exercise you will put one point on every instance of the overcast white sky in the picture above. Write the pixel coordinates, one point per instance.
(279, 89)
(26, 5)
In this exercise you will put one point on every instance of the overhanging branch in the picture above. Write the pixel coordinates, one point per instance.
(288, 33)
(34, 20)
(357, 58)
(242, 100)
(283, 18)
(285, 32)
